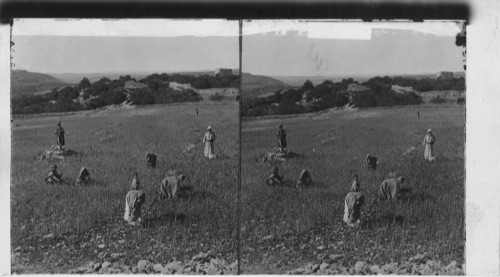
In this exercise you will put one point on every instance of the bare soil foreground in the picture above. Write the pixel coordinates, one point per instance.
(60, 228)
(290, 230)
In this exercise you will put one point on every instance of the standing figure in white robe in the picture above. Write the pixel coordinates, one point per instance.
(428, 143)
(208, 140)
(133, 203)
(352, 208)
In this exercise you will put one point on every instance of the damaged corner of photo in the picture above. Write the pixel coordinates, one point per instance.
(124, 146)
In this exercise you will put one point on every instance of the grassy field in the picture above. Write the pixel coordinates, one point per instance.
(283, 228)
(78, 221)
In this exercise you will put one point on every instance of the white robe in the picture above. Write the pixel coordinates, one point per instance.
(133, 204)
(208, 140)
(352, 208)
(429, 140)
(389, 188)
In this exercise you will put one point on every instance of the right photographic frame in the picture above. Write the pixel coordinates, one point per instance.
(352, 147)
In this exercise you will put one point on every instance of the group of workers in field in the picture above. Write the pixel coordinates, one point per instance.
(389, 189)
(136, 197)
(171, 184)
(54, 177)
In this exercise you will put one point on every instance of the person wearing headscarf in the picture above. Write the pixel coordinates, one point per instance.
(83, 177)
(389, 188)
(281, 137)
(305, 179)
(135, 182)
(60, 135)
(171, 185)
(53, 176)
(371, 162)
(356, 186)
(274, 178)
(151, 160)
(352, 208)
(133, 203)
(428, 143)
(208, 140)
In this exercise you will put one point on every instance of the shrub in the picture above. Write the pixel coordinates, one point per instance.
(437, 100)
(461, 100)
(216, 97)
(186, 96)
(308, 85)
(84, 83)
(290, 96)
(143, 96)
(113, 97)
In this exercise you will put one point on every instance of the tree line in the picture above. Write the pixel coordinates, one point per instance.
(375, 92)
(105, 92)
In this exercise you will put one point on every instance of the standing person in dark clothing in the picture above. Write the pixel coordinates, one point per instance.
(60, 135)
(281, 137)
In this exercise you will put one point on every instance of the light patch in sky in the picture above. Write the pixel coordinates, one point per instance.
(124, 27)
(356, 30)
(340, 48)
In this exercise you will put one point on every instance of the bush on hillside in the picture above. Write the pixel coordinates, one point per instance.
(216, 97)
(144, 96)
(437, 100)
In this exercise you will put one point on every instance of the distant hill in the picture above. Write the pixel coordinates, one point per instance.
(75, 78)
(29, 83)
(257, 85)
(297, 81)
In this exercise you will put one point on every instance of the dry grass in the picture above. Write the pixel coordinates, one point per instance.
(113, 145)
(306, 225)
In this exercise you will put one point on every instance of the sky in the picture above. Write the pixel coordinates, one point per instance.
(298, 48)
(97, 46)
(272, 47)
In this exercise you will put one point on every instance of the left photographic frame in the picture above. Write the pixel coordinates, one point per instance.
(124, 146)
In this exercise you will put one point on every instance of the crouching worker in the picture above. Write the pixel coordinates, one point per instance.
(305, 179)
(274, 178)
(54, 177)
(356, 186)
(389, 188)
(133, 203)
(83, 177)
(352, 209)
(151, 160)
(371, 162)
(171, 185)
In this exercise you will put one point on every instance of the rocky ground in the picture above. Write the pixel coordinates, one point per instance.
(421, 264)
(121, 248)
(55, 153)
(201, 264)
(276, 155)
(338, 249)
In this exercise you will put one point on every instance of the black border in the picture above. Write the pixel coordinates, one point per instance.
(232, 10)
